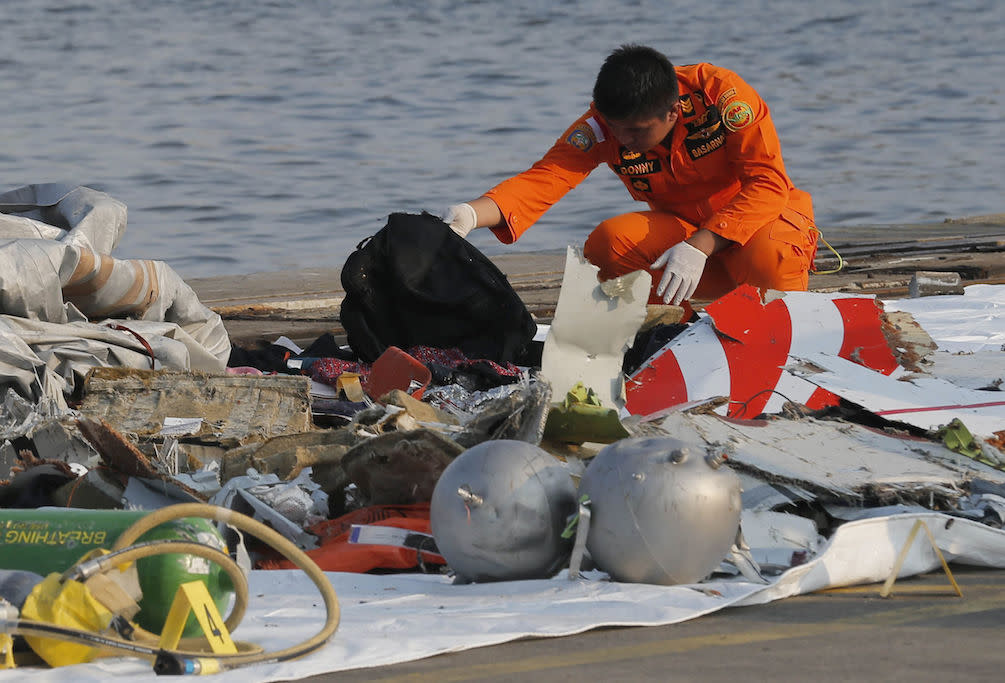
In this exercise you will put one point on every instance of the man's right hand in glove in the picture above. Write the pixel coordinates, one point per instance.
(461, 218)
(478, 213)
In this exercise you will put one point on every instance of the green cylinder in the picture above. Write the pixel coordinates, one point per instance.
(48, 540)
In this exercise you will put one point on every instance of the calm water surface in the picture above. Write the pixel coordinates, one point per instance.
(253, 136)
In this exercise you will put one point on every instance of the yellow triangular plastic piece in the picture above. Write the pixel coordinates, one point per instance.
(349, 383)
(919, 524)
(193, 597)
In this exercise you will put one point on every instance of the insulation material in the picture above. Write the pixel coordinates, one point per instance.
(594, 325)
(55, 282)
(741, 348)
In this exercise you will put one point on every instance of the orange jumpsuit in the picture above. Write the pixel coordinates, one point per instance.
(720, 168)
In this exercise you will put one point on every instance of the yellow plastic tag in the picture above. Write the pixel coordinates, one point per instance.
(348, 382)
(193, 597)
(6, 651)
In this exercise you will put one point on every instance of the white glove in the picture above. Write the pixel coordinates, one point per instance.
(683, 267)
(461, 218)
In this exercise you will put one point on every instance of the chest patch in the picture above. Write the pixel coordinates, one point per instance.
(636, 164)
(705, 134)
(642, 184)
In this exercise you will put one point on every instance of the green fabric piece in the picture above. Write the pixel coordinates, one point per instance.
(581, 395)
(581, 417)
(958, 438)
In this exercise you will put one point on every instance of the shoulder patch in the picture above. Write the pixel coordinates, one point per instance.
(725, 97)
(582, 138)
(737, 115)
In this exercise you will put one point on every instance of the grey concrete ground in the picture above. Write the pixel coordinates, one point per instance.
(921, 633)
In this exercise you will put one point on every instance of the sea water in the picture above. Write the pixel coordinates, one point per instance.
(249, 135)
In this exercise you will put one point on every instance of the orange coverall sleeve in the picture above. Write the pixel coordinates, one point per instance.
(525, 197)
(755, 157)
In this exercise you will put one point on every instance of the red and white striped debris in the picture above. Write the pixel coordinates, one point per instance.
(742, 346)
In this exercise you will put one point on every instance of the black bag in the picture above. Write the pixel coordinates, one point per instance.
(417, 283)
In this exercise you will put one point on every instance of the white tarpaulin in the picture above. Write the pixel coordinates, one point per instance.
(79, 216)
(66, 306)
(960, 323)
(403, 617)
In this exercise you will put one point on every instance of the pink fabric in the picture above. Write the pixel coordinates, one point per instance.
(244, 370)
(327, 370)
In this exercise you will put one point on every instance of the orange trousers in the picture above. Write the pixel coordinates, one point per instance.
(778, 256)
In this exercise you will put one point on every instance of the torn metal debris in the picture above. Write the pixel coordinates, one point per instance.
(830, 408)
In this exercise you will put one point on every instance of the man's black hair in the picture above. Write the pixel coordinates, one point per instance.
(635, 81)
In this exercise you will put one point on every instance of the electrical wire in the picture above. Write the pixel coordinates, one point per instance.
(743, 405)
(840, 258)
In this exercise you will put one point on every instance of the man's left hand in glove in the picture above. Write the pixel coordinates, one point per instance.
(682, 266)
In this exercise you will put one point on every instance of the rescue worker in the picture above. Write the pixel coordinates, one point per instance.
(697, 144)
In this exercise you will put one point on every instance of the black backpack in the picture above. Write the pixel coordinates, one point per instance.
(417, 283)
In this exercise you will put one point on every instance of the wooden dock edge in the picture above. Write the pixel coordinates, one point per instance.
(304, 304)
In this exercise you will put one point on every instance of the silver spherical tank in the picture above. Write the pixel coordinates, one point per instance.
(662, 511)
(498, 512)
